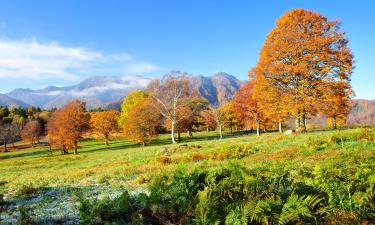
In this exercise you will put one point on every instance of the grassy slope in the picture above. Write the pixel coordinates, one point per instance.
(126, 164)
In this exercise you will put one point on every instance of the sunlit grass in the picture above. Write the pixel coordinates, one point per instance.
(126, 164)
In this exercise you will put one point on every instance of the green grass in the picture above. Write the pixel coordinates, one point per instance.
(126, 164)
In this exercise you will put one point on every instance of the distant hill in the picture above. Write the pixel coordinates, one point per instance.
(109, 91)
(217, 89)
(363, 112)
(10, 102)
(95, 91)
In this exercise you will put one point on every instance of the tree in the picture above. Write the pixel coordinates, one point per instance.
(208, 119)
(246, 105)
(132, 100)
(197, 104)
(16, 128)
(142, 123)
(31, 132)
(184, 121)
(105, 123)
(168, 94)
(66, 126)
(270, 101)
(300, 54)
(4, 135)
(336, 101)
(229, 117)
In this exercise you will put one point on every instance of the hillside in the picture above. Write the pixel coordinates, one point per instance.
(363, 112)
(10, 102)
(324, 164)
(108, 91)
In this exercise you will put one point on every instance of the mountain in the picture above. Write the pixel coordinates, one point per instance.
(362, 112)
(109, 91)
(217, 89)
(10, 102)
(95, 91)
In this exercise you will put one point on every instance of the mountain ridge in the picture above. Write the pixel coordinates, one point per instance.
(108, 91)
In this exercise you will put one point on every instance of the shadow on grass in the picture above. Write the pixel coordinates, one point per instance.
(24, 154)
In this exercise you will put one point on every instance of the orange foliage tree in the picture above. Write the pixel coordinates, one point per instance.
(246, 105)
(302, 53)
(67, 125)
(208, 120)
(271, 103)
(104, 123)
(336, 102)
(31, 132)
(142, 123)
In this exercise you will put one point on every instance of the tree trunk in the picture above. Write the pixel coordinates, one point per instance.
(106, 140)
(334, 122)
(231, 129)
(258, 127)
(221, 131)
(178, 136)
(32, 142)
(207, 129)
(280, 127)
(303, 121)
(172, 132)
(75, 148)
(5, 146)
(190, 133)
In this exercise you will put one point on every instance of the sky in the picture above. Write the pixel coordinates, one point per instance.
(60, 43)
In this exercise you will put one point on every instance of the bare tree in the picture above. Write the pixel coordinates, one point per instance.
(168, 94)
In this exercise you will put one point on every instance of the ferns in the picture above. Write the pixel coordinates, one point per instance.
(239, 196)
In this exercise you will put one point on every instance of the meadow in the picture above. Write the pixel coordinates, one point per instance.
(336, 167)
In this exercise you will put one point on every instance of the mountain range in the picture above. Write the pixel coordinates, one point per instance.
(109, 91)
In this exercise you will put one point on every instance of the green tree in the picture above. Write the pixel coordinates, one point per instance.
(132, 100)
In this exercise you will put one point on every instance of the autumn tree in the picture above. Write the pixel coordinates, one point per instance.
(67, 125)
(142, 123)
(105, 123)
(229, 117)
(132, 100)
(184, 120)
(271, 103)
(336, 101)
(208, 120)
(247, 106)
(197, 104)
(301, 53)
(169, 94)
(31, 132)
(4, 135)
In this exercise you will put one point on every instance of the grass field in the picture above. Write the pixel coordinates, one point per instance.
(125, 165)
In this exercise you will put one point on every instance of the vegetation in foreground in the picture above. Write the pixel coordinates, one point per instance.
(323, 176)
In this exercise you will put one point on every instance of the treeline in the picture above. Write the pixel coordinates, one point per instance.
(17, 122)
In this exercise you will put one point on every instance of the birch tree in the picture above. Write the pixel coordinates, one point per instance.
(169, 94)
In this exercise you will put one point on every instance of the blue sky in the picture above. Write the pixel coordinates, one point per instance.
(62, 42)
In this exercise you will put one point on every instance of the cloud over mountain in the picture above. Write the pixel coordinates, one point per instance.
(31, 59)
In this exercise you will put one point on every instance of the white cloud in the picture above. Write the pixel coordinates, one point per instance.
(143, 67)
(34, 60)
